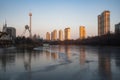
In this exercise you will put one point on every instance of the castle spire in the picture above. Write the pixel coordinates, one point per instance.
(5, 23)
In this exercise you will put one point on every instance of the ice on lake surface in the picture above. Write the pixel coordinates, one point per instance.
(60, 62)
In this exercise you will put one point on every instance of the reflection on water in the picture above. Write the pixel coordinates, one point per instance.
(104, 64)
(61, 63)
(82, 55)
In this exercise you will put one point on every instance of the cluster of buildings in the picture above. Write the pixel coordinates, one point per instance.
(103, 29)
(53, 35)
(104, 24)
(10, 31)
(66, 35)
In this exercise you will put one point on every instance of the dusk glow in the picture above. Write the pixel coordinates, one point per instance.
(48, 15)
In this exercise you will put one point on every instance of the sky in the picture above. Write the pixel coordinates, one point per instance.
(48, 15)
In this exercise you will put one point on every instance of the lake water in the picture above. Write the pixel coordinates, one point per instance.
(61, 63)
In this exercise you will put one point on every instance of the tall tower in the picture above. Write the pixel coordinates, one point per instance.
(52, 36)
(55, 35)
(60, 35)
(47, 36)
(99, 25)
(30, 14)
(67, 33)
(82, 32)
(104, 23)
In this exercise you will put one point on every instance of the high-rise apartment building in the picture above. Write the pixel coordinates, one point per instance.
(104, 23)
(82, 32)
(54, 35)
(47, 36)
(67, 33)
(60, 35)
(117, 28)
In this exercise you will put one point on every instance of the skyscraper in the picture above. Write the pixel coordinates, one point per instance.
(104, 23)
(82, 32)
(54, 35)
(47, 36)
(60, 35)
(67, 33)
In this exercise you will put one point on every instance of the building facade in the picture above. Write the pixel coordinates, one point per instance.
(117, 28)
(47, 36)
(104, 23)
(82, 32)
(60, 35)
(67, 33)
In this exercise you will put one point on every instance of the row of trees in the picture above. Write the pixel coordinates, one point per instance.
(27, 42)
(108, 39)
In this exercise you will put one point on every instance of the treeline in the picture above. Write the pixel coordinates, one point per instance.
(108, 39)
(104, 40)
(23, 42)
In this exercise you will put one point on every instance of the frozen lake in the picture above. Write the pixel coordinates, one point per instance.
(61, 62)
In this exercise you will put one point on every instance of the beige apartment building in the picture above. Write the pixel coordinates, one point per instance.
(82, 32)
(104, 23)
(54, 35)
(60, 35)
(67, 33)
(47, 36)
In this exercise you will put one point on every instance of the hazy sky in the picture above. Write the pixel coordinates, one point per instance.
(57, 14)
